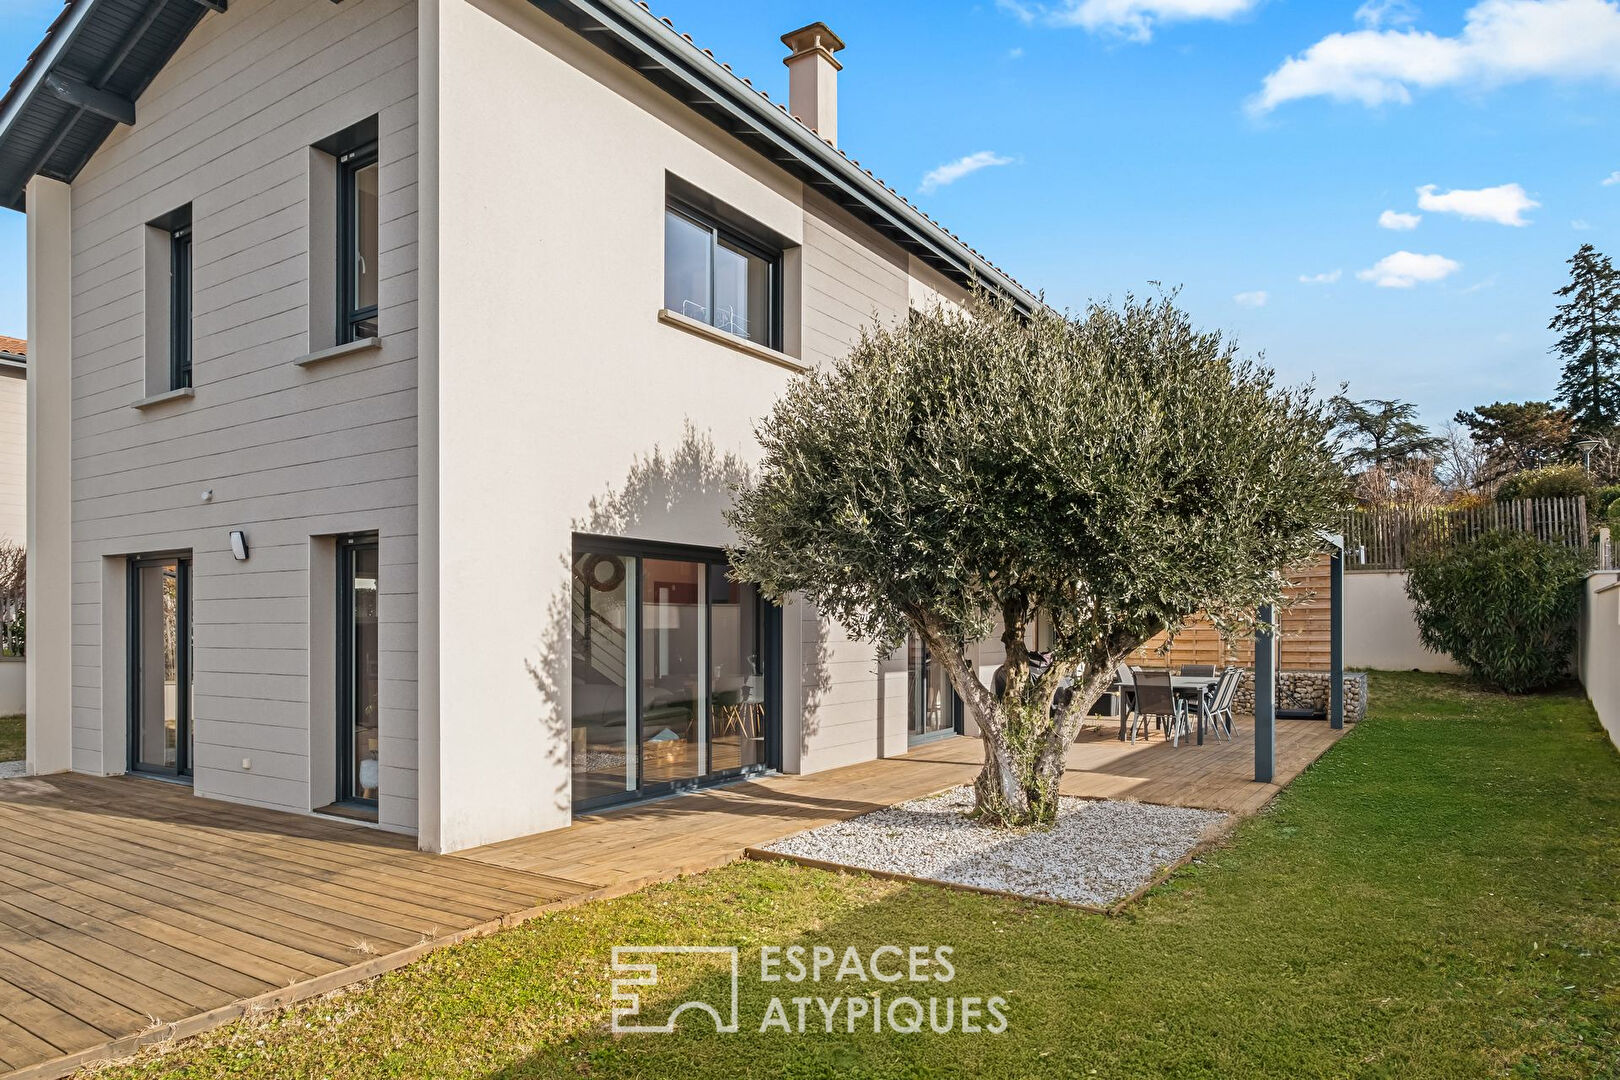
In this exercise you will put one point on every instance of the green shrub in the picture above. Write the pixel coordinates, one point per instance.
(1549, 482)
(1606, 499)
(1503, 606)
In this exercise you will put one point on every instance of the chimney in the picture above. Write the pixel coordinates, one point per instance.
(813, 78)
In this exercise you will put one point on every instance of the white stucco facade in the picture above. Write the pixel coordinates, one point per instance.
(527, 387)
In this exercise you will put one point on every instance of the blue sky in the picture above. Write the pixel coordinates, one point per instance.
(1232, 147)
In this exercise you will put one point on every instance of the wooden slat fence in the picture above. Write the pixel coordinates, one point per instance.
(1304, 621)
(1387, 539)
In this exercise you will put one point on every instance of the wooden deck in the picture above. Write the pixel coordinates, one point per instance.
(629, 847)
(128, 906)
(131, 911)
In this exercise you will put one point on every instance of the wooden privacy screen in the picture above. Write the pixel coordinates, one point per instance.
(1306, 630)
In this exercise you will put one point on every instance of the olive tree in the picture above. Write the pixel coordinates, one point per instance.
(959, 472)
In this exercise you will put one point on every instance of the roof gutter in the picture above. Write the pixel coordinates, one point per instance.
(642, 33)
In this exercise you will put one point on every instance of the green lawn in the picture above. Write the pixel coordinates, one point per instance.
(11, 738)
(1439, 896)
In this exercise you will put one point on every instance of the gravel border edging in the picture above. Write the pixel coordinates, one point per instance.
(1214, 831)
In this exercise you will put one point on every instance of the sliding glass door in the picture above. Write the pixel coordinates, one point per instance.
(673, 672)
(160, 665)
(934, 704)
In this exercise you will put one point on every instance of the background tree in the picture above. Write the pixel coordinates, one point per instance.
(960, 472)
(1588, 325)
(1462, 463)
(1517, 435)
(13, 591)
(1381, 433)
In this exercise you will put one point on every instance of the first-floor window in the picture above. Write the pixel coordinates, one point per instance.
(357, 244)
(717, 276)
(180, 304)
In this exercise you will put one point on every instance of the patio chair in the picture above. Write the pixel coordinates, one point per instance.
(1198, 670)
(1156, 696)
(1127, 697)
(1218, 709)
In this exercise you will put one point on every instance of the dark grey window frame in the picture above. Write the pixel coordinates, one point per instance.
(637, 550)
(347, 546)
(183, 644)
(351, 318)
(180, 306)
(719, 230)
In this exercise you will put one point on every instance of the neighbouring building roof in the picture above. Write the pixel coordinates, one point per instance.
(13, 349)
(99, 55)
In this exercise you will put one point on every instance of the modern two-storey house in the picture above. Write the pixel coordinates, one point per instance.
(390, 363)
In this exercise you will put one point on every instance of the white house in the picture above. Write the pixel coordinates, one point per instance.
(390, 361)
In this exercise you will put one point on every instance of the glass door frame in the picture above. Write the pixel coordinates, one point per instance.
(714, 560)
(182, 769)
(917, 697)
(347, 676)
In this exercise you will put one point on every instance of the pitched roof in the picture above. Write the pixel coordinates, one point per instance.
(99, 55)
(13, 346)
(96, 59)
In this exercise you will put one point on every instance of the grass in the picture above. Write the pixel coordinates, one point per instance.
(1437, 897)
(11, 738)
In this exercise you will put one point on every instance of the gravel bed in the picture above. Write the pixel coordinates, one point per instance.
(1097, 853)
(10, 770)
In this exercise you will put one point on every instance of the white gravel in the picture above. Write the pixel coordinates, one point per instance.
(1097, 853)
(10, 770)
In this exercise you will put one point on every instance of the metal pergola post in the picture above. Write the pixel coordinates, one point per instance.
(1336, 640)
(1265, 696)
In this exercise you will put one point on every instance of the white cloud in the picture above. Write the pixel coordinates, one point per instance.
(1015, 53)
(1132, 19)
(1612, 179)
(952, 171)
(1580, 224)
(1502, 41)
(1504, 204)
(1404, 269)
(1325, 278)
(1256, 298)
(1378, 13)
(1394, 219)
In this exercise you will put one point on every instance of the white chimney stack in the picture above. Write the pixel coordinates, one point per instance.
(813, 78)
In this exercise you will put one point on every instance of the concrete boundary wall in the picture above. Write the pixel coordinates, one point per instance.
(1598, 655)
(1379, 629)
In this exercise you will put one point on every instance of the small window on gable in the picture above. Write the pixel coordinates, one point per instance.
(344, 237)
(357, 244)
(716, 275)
(169, 302)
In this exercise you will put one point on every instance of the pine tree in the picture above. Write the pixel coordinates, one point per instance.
(1588, 325)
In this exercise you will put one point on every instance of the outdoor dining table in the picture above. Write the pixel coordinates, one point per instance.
(1188, 686)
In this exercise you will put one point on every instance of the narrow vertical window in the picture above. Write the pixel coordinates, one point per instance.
(358, 660)
(357, 244)
(180, 304)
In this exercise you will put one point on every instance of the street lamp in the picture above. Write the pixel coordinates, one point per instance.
(1586, 446)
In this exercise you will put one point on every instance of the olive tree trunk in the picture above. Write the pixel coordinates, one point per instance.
(1025, 743)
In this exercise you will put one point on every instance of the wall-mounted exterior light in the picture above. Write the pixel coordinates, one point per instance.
(239, 545)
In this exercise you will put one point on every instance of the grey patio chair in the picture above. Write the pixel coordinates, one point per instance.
(1218, 710)
(1156, 696)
